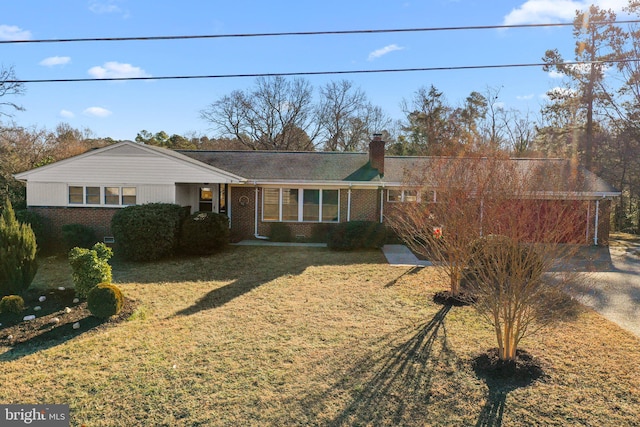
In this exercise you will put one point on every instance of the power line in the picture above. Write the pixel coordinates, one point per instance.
(317, 73)
(306, 33)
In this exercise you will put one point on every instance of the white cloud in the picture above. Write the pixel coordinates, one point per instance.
(66, 114)
(525, 97)
(556, 11)
(11, 32)
(55, 60)
(97, 112)
(381, 52)
(117, 70)
(555, 74)
(101, 7)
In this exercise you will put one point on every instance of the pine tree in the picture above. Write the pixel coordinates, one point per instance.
(18, 265)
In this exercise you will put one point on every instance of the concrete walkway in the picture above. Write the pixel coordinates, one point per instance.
(401, 256)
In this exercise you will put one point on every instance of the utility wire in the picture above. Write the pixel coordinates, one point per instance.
(316, 73)
(307, 33)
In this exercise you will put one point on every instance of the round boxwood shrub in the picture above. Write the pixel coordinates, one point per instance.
(357, 235)
(105, 300)
(11, 304)
(204, 233)
(147, 232)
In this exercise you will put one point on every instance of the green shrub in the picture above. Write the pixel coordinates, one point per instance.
(11, 304)
(105, 300)
(39, 225)
(147, 232)
(78, 235)
(90, 267)
(280, 232)
(357, 235)
(18, 264)
(204, 233)
(320, 232)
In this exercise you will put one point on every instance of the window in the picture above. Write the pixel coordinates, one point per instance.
(206, 199)
(271, 204)
(330, 204)
(128, 195)
(90, 195)
(289, 204)
(395, 196)
(112, 195)
(311, 205)
(300, 205)
(76, 195)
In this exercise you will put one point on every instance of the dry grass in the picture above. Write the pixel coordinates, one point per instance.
(294, 336)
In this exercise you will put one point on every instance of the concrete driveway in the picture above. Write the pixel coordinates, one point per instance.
(613, 285)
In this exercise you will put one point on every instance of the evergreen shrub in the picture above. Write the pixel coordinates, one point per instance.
(90, 267)
(147, 232)
(18, 248)
(357, 235)
(204, 233)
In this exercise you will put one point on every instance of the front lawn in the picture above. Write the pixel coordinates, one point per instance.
(307, 336)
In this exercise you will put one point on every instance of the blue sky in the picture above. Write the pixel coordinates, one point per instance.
(121, 109)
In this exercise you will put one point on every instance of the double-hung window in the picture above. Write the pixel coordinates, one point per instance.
(300, 205)
(395, 196)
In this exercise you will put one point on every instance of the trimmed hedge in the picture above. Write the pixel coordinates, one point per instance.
(147, 232)
(357, 235)
(204, 233)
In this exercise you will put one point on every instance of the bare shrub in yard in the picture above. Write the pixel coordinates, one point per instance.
(501, 225)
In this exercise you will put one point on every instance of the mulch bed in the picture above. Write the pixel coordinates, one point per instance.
(521, 372)
(55, 319)
(460, 300)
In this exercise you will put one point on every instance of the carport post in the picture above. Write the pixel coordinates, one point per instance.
(595, 231)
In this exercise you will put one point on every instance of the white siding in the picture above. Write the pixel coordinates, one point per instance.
(46, 194)
(127, 165)
(155, 194)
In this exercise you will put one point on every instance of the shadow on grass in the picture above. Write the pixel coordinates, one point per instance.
(411, 271)
(394, 387)
(247, 268)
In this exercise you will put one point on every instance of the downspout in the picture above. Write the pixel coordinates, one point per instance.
(255, 208)
(349, 204)
(381, 204)
(588, 220)
(595, 231)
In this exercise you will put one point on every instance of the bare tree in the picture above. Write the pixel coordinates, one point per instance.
(265, 117)
(463, 202)
(346, 118)
(9, 87)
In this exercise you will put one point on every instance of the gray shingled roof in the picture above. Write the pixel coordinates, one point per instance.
(354, 167)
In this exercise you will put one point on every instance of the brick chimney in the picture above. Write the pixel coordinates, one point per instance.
(376, 153)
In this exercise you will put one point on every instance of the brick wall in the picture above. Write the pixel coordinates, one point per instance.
(99, 219)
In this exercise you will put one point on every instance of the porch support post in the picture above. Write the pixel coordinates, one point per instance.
(349, 204)
(595, 230)
(255, 208)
